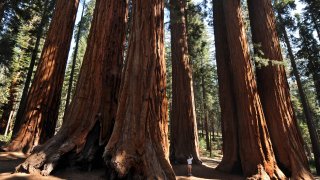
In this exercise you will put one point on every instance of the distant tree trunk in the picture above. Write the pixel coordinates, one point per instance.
(205, 109)
(255, 148)
(138, 147)
(305, 104)
(274, 92)
(315, 71)
(74, 59)
(89, 120)
(40, 115)
(184, 137)
(8, 107)
(34, 55)
(231, 159)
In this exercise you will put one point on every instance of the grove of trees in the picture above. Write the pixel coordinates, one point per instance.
(136, 87)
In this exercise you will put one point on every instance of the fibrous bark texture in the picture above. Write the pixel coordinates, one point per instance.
(138, 147)
(48, 7)
(41, 113)
(89, 120)
(184, 133)
(255, 148)
(231, 160)
(274, 92)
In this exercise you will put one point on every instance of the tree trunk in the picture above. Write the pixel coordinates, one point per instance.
(40, 115)
(231, 159)
(23, 102)
(274, 92)
(8, 107)
(74, 59)
(205, 109)
(89, 120)
(184, 139)
(305, 104)
(255, 148)
(138, 147)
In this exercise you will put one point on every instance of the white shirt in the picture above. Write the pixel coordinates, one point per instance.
(190, 161)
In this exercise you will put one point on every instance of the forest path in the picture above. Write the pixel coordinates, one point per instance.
(8, 161)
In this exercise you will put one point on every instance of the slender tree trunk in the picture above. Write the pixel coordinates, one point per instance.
(43, 100)
(8, 108)
(23, 101)
(229, 123)
(89, 120)
(274, 92)
(255, 148)
(138, 147)
(74, 59)
(305, 104)
(184, 139)
(205, 109)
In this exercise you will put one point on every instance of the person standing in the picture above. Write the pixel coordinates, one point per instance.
(189, 161)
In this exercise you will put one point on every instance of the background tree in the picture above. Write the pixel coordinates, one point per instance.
(184, 137)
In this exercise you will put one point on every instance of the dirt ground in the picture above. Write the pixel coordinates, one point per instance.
(8, 162)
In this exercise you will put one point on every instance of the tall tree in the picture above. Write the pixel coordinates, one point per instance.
(274, 93)
(309, 50)
(184, 133)
(305, 104)
(138, 147)
(46, 12)
(41, 112)
(89, 120)
(74, 58)
(231, 159)
(255, 148)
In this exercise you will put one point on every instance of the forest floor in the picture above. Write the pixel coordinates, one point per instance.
(8, 162)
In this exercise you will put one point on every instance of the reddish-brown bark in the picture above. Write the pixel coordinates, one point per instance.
(274, 92)
(184, 136)
(41, 113)
(89, 119)
(231, 160)
(255, 148)
(138, 147)
(47, 9)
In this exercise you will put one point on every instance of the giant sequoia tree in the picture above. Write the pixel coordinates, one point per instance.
(184, 135)
(231, 159)
(89, 119)
(41, 112)
(46, 12)
(255, 148)
(274, 93)
(138, 147)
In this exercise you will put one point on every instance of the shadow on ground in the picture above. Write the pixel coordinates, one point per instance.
(204, 171)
